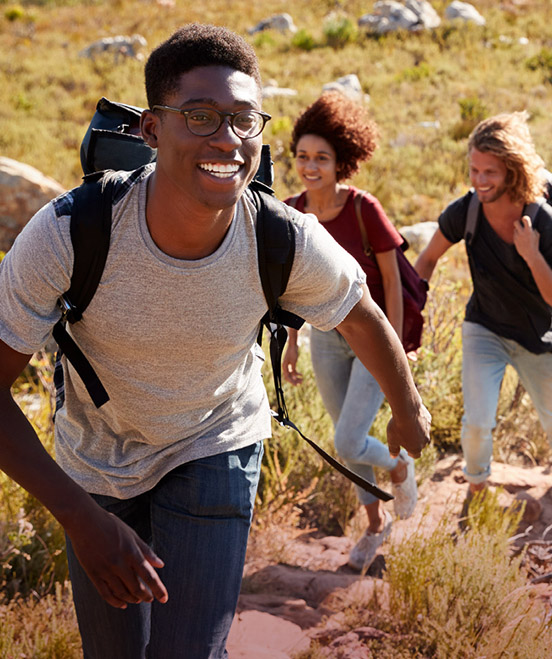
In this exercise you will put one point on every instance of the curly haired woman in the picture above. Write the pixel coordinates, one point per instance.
(330, 139)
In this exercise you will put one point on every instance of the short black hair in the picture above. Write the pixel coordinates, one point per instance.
(191, 46)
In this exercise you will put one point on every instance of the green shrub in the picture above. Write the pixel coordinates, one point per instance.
(472, 111)
(339, 31)
(303, 40)
(14, 13)
(415, 73)
(541, 62)
(263, 40)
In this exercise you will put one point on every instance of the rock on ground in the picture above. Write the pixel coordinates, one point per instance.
(23, 191)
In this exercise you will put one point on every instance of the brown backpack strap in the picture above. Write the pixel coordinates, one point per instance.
(365, 243)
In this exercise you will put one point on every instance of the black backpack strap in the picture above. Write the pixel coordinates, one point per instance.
(90, 236)
(533, 208)
(276, 250)
(472, 217)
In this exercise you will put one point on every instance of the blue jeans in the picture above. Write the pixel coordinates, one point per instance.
(197, 520)
(485, 357)
(352, 397)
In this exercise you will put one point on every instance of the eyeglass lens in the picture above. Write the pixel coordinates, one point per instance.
(247, 123)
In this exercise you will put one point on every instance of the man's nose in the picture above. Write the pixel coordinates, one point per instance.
(225, 135)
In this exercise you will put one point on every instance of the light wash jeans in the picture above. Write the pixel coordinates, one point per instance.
(485, 356)
(197, 520)
(352, 397)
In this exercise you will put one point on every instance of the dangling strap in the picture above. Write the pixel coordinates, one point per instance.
(278, 337)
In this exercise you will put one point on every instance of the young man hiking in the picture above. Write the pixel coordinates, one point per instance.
(155, 489)
(508, 317)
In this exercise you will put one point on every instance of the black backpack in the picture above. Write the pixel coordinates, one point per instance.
(111, 141)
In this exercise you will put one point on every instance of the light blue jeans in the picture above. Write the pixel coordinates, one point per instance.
(197, 520)
(485, 357)
(352, 397)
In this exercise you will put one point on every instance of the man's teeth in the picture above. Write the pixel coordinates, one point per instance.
(220, 170)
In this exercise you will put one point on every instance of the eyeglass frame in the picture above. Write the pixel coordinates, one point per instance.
(264, 115)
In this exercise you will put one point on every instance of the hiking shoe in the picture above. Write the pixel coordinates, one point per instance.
(364, 552)
(405, 493)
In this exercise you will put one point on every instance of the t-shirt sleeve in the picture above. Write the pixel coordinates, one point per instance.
(33, 274)
(452, 220)
(325, 281)
(380, 231)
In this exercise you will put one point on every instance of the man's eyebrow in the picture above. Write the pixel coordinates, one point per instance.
(214, 103)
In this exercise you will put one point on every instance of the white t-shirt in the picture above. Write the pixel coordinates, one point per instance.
(172, 341)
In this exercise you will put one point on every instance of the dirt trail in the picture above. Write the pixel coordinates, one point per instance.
(282, 605)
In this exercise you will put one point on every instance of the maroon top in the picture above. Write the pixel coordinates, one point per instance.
(381, 234)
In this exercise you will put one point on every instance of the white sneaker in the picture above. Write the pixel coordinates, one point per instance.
(405, 493)
(364, 552)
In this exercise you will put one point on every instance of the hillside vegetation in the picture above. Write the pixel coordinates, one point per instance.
(426, 90)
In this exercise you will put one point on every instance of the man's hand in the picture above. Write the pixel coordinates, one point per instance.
(413, 435)
(117, 561)
(526, 239)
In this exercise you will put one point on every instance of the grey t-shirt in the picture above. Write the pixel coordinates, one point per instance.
(172, 341)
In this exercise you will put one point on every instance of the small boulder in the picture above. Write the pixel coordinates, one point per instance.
(419, 235)
(23, 191)
(465, 12)
(281, 22)
(348, 85)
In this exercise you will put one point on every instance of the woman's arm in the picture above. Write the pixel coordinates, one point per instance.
(392, 288)
(370, 335)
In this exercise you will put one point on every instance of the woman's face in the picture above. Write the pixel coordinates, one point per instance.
(315, 161)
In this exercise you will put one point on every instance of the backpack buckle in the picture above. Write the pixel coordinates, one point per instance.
(69, 312)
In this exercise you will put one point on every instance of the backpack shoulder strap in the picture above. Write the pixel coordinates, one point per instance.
(276, 251)
(472, 217)
(533, 208)
(366, 248)
(90, 235)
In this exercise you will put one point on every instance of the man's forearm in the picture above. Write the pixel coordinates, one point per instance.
(26, 461)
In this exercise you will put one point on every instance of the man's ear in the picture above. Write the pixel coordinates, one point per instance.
(149, 123)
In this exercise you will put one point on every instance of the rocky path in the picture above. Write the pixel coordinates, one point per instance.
(287, 602)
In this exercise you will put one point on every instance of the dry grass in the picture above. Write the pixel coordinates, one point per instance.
(448, 77)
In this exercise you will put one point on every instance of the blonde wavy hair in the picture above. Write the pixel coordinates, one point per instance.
(507, 137)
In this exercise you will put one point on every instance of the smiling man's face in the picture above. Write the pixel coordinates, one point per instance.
(488, 175)
(213, 170)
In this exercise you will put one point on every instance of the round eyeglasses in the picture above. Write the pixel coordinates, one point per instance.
(206, 121)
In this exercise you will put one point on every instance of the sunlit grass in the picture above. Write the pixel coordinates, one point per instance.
(424, 89)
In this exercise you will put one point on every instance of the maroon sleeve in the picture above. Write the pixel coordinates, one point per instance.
(299, 202)
(380, 231)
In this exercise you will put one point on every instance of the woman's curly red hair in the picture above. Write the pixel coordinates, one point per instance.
(342, 123)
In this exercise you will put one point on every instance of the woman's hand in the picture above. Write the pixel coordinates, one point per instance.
(289, 363)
